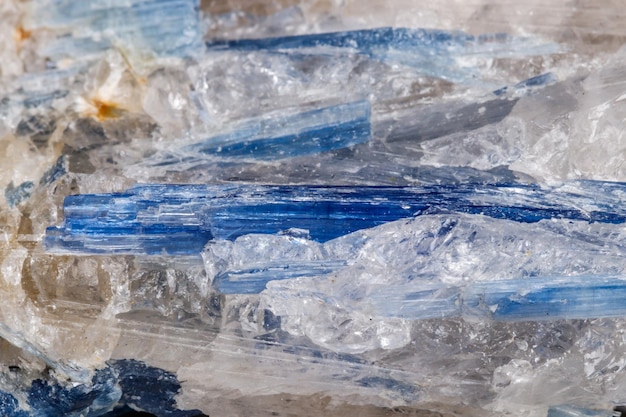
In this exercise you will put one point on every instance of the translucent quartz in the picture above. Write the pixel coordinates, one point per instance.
(181, 219)
(439, 120)
(422, 281)
(444, 266)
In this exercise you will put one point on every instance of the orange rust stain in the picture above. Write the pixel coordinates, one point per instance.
(22, 34)
(105, 110)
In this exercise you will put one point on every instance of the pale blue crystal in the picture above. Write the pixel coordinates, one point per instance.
(254, 280)
(15, 195)
(527, 299)
(573, 411)
(290, 135)
(165, 27)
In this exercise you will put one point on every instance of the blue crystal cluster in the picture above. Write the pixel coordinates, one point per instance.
(123, 386)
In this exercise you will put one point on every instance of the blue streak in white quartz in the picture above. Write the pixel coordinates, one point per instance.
(254, 280)
(366, 40)
(572, 411)
(39, 89)
(181, 219)
(547, 298)
(537, 81)
(309, 132)
(432, 52)
(524, 299)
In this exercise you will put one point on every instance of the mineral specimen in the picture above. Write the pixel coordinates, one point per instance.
(360, 208)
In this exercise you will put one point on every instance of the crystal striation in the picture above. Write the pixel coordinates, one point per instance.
(146, 218)
(254, 280)
(572, 411)
(285, 136)
(532, 298)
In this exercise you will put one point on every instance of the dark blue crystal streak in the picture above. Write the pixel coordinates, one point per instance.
(432, 52)
(365, 40)
(181, 219)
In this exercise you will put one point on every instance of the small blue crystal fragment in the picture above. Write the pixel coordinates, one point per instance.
(538, 81)
(404, 390)
(15, 195)
(54, 172)
(36, 99)
(309, 132)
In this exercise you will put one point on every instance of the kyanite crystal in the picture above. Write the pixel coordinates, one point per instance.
(435, 53)
(532, 298)
(144, 219)
(288, 135)
(573, 411)
(86, 30)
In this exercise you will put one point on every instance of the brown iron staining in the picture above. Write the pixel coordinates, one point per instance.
(21, 34)
(104, 110)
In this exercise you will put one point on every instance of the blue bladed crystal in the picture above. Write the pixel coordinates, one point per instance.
(181, 219)
(303, 133)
